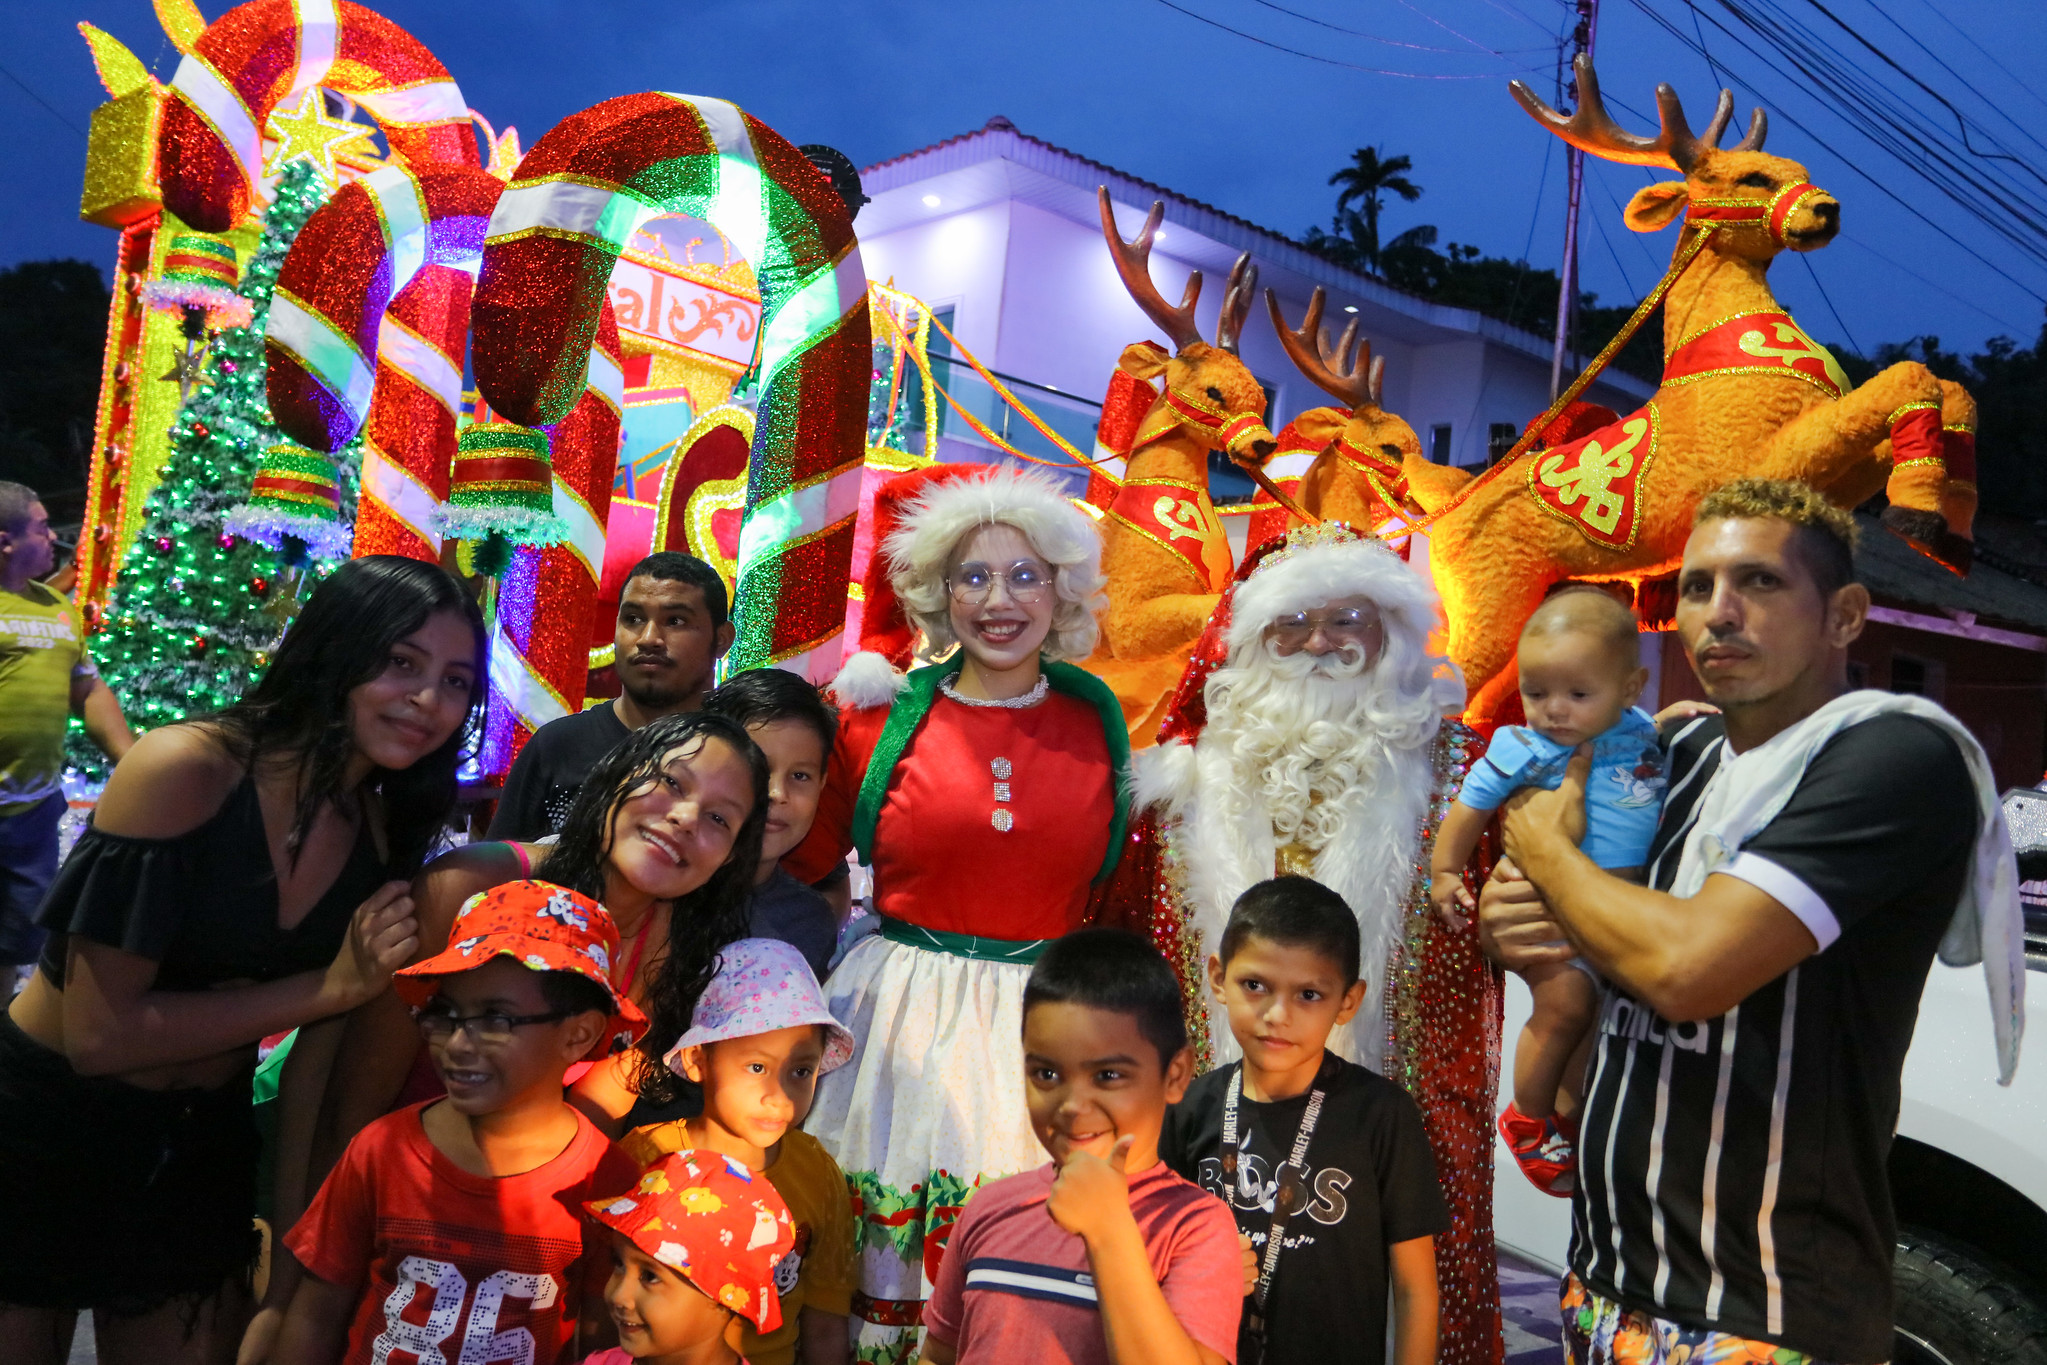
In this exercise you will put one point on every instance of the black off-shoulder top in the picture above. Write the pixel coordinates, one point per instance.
(202, 905)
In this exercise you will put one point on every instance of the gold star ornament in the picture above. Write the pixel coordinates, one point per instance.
(307, 131)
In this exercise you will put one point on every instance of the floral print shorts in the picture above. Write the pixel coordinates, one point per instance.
(1598, 1331)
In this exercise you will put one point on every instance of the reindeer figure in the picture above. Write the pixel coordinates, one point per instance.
(1744, 393)
(1371, 461)
(1163, 547)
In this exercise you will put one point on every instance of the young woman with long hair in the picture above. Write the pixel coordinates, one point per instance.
(666, 833)
(244, 873)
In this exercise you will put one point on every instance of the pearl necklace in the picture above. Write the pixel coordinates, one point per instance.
(1028, 699)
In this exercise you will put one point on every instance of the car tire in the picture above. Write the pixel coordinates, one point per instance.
(1955, 1309)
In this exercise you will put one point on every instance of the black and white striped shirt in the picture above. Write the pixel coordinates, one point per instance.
(1731, 1172)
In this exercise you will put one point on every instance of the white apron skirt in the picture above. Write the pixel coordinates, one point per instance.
(930, 1107)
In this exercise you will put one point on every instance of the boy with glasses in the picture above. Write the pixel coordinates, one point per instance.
(449, 1229)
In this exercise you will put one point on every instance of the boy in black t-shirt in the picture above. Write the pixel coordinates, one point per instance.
(1357, 1205)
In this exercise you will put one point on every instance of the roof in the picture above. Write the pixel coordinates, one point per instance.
(999, 139)
(1993, 593)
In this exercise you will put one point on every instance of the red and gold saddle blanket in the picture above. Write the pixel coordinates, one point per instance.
(1596, 482)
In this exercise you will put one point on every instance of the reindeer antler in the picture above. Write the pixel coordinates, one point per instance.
(1133, 263)
(1243, 287)
(1590, 128)
(1352, 380)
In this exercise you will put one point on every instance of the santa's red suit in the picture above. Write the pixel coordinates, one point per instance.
(1351, 795)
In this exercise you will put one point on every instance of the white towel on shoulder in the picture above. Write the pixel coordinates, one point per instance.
(1747, 791)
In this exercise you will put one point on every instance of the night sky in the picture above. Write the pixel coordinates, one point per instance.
(1149, 89)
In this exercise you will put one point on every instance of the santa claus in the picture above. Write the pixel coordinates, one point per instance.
(1309, 736)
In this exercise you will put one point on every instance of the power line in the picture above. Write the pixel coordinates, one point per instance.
(1940, 289)
(1508, 8)
(1389, 42)
(1828, 299)
(1987, 55)
(1329, 61)
(1992, 105)
(2033, 250)
(54, 110)
(1961, 124)
(1894, 127)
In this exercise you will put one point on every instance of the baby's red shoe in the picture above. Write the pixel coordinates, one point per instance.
(1546, 1154)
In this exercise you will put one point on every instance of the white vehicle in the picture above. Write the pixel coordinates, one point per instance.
(1968, 1169)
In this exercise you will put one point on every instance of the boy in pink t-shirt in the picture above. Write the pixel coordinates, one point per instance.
(1103, 1256)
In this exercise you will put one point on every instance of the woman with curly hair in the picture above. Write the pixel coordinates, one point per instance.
(987, 793)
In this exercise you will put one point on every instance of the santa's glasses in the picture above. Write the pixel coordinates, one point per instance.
(1296, 628)
(971, 584)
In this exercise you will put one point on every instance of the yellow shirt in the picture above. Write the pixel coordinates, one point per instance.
(819, 1273)
(42, 649)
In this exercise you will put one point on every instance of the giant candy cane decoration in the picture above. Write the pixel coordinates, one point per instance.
(540, 651)
(369, 324)
(572, 205)
(268, 52)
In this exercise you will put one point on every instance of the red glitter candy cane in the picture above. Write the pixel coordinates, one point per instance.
(266, 53)
(540, 654)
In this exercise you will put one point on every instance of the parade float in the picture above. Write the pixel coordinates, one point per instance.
(351, 317)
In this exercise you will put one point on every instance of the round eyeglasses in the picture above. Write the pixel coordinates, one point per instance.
(1026, 583)
(489, 1029)
(1296, 628)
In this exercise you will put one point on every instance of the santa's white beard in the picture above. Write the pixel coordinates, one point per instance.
(1325, 754)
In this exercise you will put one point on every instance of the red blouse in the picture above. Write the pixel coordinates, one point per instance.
(943, 858)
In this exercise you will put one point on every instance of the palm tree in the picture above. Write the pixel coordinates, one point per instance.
(1368, 179)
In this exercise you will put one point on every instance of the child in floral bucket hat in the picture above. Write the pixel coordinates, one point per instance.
(437, 1206)
(693, 1245)
(758, 1040)
(546, 928)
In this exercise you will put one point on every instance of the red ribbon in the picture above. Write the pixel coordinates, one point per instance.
(502, 469)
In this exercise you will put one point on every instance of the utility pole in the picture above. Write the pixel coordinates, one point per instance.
(1567, 289)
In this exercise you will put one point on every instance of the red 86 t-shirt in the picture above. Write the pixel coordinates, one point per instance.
(457, 1267)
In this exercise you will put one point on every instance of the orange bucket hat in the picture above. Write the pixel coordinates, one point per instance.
(544, 927)
(707, 1217)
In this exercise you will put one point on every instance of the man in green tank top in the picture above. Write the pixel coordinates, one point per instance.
(46, 678)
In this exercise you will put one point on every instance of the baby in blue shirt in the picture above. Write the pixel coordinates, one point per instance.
(1581, 673)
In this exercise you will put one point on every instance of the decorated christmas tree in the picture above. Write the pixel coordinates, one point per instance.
(197, 608)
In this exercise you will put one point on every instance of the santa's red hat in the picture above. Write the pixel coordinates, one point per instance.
(1300, 571)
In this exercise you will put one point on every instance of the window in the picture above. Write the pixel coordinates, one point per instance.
(1499, 439)
(911, 405)
(1918, 677)
(1439, 443)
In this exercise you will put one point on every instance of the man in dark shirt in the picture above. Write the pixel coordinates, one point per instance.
(671, 631)
(1744, 1085)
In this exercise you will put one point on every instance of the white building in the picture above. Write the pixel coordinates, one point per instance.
(1002, 229)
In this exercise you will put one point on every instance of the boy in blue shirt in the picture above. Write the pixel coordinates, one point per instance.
(1581, 674)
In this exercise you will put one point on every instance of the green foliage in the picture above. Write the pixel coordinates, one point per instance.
(1367, 180)
(1520, 295)
(1513, 292)
(53, 327)
(195, 610)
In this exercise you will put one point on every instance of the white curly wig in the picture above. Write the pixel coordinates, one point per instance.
(935, 522)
